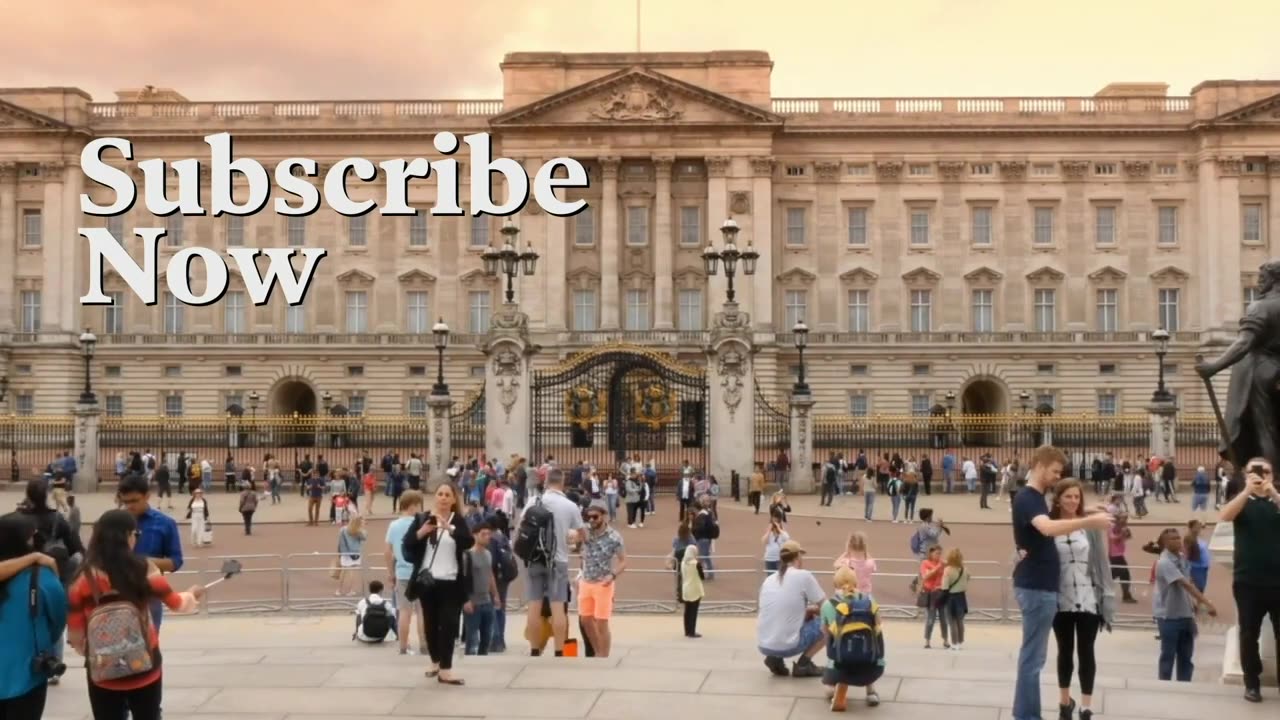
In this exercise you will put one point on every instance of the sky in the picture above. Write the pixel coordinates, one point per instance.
(405, 49)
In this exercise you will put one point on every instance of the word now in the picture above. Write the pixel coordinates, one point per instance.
(104, 248)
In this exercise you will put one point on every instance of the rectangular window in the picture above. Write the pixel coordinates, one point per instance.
(920, 404)
(637, 308)
(1250, 295)
(1045, 310)
(690, 226)
(479, 231)
(858, 227)
(584, 227)
(478, 303)
(295, 319)
(1104, 225)
(921, 311)
(357, 231)
(1106, 368)
(1251, 223)
(417, 406)
(859, 311)
(174, 226)
(1048, 400)
(984, 311)
(1108, 305)
(637, 226)
(1043, 169)
(1167, 309)
(31, 312)
(26, 403)
(1106, 403)
(173, 405)
(115, 406)
(1044, 226)
(357, 311)
(981, 169)
(236, 316)
(858, 405)
(796, 303)
(1104, 168)
(982, 226)
(920, 370)
(1167, 217)
(919, 227)
(795, 226)
(1166, 169)
(418, 230)
(175, 315)
(690, 310)
(115, 226)
(355, 405)
(920, 169)
(296, 231)
(585, 316)
(113, 314)
(417, 314)
(235, 230)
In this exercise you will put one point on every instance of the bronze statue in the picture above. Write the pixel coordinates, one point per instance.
(1251, 425)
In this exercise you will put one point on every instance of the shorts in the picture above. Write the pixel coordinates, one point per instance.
(547, 581)
(403, 603)
(810, 633)
(595, 600)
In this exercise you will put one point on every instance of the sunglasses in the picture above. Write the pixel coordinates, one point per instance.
(593, 518)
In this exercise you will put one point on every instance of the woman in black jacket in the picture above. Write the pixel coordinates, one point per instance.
(435, 544)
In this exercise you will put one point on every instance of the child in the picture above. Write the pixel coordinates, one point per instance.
(691, 589)
(342, 508)
(1174, 606)
(369, 483)
(482, 596)
(855, 641)
(857, 558)
(375, 617)
(955, 604)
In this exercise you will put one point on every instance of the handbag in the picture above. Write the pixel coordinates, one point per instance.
(423, 577)
(945, 595)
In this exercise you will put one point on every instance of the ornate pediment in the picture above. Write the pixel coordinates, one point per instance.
(921, 276)
(1108, 274)
(983, 274)
(15, 118)
(689, 273)
(416, 276)
(1045, 274)
(1266, 110)
(797, 276)
(636, 96)
(474, 276)
(859, 275)
(581, 274)
(1170, 274)
(354, 276)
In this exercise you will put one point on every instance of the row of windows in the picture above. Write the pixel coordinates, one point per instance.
(922, 403)
(174, 405)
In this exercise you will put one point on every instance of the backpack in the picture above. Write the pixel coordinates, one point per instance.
(853, 638)
(830, 475)
(54, 546)
(117, 639)
(376, 621)
(535, 538)
(505, 569)
(917, 544)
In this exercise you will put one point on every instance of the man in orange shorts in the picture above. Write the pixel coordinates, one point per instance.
(603, 560)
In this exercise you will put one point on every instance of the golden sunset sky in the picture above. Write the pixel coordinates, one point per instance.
(396, 49)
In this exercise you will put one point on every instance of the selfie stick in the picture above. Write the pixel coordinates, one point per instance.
(1222, 424)
(229, 568)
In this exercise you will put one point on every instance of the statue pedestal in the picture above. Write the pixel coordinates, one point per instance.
(1221, 546)
(802, 481)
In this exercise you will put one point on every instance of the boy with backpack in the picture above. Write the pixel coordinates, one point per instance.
(855, 641)
(375, 617)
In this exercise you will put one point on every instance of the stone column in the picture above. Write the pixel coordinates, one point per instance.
(609, 250)
(52, 295)
(86, 447)
(507, 385)
(801, 480)
(554, 257)
(663, 254)
(8, 241)
(72, 265)
(731, 378)
(1269, 224)
(440, 449)
(1163, 416)
(717, 213)
(762, 238)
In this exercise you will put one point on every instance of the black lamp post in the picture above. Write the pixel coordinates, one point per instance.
(441, 333)
(254, 399)
(1161, 338)
(509, 260)
(326, 398)
(1024, 399)
(951, 401)
(87, 342)
(4, 387)
(730, 255)
(801, 332)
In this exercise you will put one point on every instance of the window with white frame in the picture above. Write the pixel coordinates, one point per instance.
(115, 406)
(175, 315)
(417, 313)
(295, 319)
(25, 403)
(858, 227)
(479, 231)
(1167, 315)
(1106, 403)
(921, 404)
(1167, 217)
(174, 226)
(355, 404)
(690, 310)
(690, 226)
(479, 308)
(1104, 225)
(584, 227)
(113, 314)
(233, 398)
(1049, 400)
(418, 236)
(173, 405)
(32, 228)
(1043, 226)
(1107, 302)
(983, 310)
(637, 310)
(31, 312)
(859, 311)
(357, 311)
(296, 231)
(921, 311)
(1043, 169)
(859, 405)
(417, 406)
(1251, 222)
(919, 169)
(235, 312)
(1251, 295)
(1045, 309)
(357, 231)
(796, 303)
(637, 226)
(919, 226)
(981, 225)
(234, 228)
(795, 226)
(585, 311)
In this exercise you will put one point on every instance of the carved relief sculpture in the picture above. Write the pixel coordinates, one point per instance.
(584, 406)
(718, 166)
(506, 368)
(638, 102)
(654, 405)
(740, 203)
(1137, 168)
(1228, 166)
(1013, 169)
(889, 170)
(762, 166)
(1075, 169)
(827, 170)
(732, 369)
(951, 170)
(1192, 165)
(8, 170)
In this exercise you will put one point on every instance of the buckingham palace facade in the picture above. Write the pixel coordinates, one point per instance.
(988, 247)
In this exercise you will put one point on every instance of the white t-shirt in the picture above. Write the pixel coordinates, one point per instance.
(373, 599)
(970, 470)
(782, 607)
(568, 517)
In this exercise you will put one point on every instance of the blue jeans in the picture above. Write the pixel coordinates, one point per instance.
(704, 554)
(1038, 608)
(157, 613)
(477, 628)
(810, 633)
(895, 502)
(971, 484)
(1199, 501)
(869, 498)
(1177, 646)
(499, 641)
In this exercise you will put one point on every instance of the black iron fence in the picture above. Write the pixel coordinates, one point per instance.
(772, 428)
(466, 426)
(29, 444)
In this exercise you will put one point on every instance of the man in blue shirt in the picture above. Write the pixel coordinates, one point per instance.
(1036, 575)
(158, 537)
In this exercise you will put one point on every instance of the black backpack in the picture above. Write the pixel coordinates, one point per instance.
(376, 622)
(51, 544)
(535, 540)
(505, 569)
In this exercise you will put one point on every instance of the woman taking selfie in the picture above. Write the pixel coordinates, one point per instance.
(434, 545)
(109, 623)
(27, 658)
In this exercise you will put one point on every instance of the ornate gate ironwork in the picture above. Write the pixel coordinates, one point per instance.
(619, 401)
(466, 426)
(773, 428)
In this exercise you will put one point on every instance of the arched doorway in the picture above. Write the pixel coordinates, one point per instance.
(982, 397)
(292, 396)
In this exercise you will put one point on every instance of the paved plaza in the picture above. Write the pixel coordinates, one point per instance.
(296, 668)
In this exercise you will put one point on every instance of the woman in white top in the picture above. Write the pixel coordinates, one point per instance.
(351, 541)
(198, 514)
(611, 496)
(434, 545)
(774, 538)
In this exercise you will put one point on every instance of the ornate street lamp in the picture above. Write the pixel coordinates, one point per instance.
(441, 332)
(730, 255)
(801, 333)
(1024, 399)
(508, 260)
(87, 342)
(951, 401)
(326, 399)
(1161, 338)
(254, 399)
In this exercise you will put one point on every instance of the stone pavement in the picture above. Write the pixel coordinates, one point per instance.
(298, 668)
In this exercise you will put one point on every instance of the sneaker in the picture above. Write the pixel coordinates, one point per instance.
(804, 667)
(1086, 714)
(1066, 711)
(641, 524)
(1253, 695)
(633, 527)
(776, 665)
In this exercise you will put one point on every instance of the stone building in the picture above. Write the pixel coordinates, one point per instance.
(986, 246)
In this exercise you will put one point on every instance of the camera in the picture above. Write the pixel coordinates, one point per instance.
(48, 665)
(1259, 470)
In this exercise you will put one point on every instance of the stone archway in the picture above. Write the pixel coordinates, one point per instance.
(983, 396)
(292, 395)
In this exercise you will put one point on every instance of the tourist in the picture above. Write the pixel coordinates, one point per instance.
(248, 506)
(1196, 552)
(1036, 576)
(854, 640)
(1086, 600)
(482, 595)
(705, 532)
(1200, 486)
(410, 504)
(550, 580)
(198, 514)
(928, 533)
(158, 537)
(603, 560)
(651, 486)
(779, 507)
(351, 539)
(774, 538)
(755, 489)
(229, 473)
(684, 489)
(374, 619)
(1118, 538)
(434, 544)
(690, 590)
(505, 572)
(970, 471)
(1174, 605)
(930, 597)
(830, 481)
(948, 471)
(611, 496)
(955, 601)
(858, 558)
(1254, 515)
(870, 481)
(787, 624)
(636, 502)
(24, 683)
